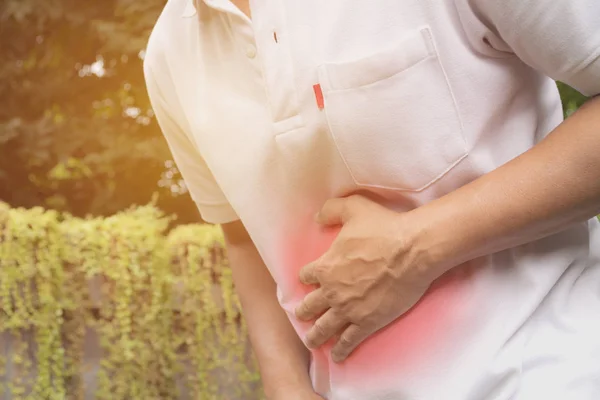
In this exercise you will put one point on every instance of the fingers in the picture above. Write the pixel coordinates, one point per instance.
(334, 212)
(308, 274)
(313, 305)
(324, 329)
(352, 336)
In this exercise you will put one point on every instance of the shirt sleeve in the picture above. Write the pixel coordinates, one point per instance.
(203, 188)
(560, 38)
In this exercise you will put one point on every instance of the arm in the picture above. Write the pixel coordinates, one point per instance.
(379, 253)
(556, 183)
(282, 357)
(553, 185)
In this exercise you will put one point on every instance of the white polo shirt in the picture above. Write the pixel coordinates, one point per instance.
(403, 101)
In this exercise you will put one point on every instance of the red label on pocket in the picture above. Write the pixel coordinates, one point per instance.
(319, 96)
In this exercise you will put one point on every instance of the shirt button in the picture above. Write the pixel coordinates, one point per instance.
(251, 51)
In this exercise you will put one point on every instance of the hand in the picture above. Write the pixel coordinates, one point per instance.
(371, 274)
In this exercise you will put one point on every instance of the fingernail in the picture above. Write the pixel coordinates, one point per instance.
(298, 312)
(308, 343)
(300, 316)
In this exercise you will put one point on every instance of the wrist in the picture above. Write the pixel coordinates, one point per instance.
(433, 247)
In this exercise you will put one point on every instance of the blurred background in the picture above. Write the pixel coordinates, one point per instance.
(76, 130)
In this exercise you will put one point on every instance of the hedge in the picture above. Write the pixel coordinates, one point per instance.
(159, 305)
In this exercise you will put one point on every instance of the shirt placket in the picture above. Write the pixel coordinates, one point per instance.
(273, 41)
(241, 24)
(264, 41)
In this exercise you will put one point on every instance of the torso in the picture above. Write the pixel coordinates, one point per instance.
(402, 113)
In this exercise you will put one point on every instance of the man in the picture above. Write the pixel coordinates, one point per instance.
(397, 189)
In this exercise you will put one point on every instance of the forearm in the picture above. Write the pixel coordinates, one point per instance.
(551, 186)
(282, 357)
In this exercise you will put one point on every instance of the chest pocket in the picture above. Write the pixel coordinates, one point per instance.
(393, 116)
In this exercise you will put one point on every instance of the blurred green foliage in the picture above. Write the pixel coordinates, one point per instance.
(162, 306)
(571, 98)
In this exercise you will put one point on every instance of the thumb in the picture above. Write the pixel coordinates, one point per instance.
(334, 212)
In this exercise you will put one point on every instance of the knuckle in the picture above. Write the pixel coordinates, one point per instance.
(346, 309)
(331, 296)
(345, 342)
(317, 271)
(315, 336)
(302, 311)
(320, 268)
(359, 315)
(320, 328)
(339, 354)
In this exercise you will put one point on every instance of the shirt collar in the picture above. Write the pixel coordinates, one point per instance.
(191, 8)
(201, 7)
